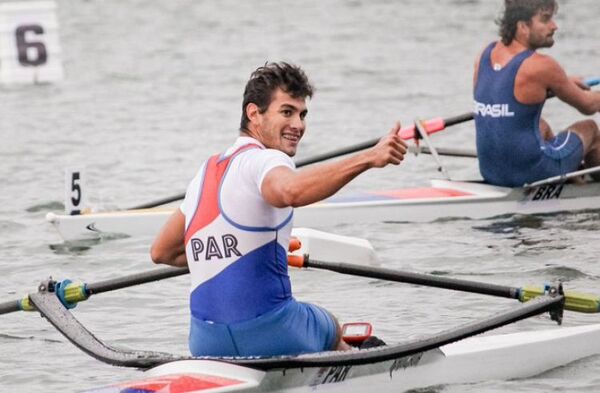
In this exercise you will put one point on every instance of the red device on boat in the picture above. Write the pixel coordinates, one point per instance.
(356, 332)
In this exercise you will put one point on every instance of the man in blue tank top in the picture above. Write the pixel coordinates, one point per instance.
(511, 83)
(233, 228)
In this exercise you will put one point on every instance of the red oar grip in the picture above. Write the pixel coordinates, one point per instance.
(296, 260)
(295, 244)
(431, 126)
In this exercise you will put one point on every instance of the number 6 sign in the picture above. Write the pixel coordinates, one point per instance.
(29, 43)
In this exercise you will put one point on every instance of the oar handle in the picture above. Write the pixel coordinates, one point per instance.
(434, 125)
(295, 244)
(297, 260)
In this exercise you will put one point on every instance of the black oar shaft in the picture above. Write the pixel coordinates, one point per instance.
(8, 307)
(459, 119)
(337, 153)
(299, 164)
(111, 285)
(418, 279)
(135, 279)
(159, 202)
(452, 152)
(365, 145)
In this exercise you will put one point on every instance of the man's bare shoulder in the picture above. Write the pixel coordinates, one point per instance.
(542, 62)
(541, 68)
(542, 58)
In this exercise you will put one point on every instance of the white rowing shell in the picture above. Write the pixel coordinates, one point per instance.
(482, 358)
(444, 199)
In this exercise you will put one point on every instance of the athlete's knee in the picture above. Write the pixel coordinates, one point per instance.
(594, 132)
(588, 126)
(587, 131)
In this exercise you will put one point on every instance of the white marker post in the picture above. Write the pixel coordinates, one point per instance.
(29, 43)
(75, 199)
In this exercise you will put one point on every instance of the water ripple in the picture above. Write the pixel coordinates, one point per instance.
(9, 337)
(46, 207)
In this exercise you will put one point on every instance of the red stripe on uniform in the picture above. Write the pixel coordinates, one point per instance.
(208, 208)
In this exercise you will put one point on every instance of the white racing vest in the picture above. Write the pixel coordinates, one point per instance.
(238, 271)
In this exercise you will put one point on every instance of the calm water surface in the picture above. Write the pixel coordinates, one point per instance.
(153, 88)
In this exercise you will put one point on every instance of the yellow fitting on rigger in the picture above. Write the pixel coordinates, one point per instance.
(574, 301)
(528, 293)
(26, 305)
(582, 302)
(75, 292)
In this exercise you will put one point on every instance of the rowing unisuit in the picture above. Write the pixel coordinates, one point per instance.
(510, 147)
(236, 247)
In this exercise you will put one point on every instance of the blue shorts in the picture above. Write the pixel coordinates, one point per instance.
(291, 329)
(562, 154)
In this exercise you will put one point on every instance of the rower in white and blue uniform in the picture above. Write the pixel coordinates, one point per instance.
(233, 228)
(511, 82)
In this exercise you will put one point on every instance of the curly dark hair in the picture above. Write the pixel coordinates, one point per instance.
(266, 79)
(520, 10)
